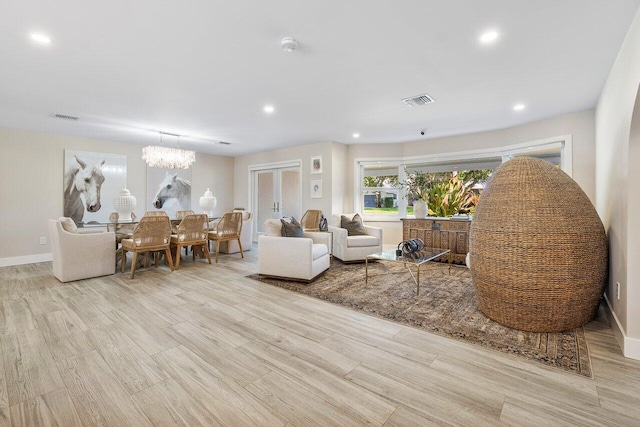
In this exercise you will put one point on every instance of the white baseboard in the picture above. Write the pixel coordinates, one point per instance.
(630, 346)
(26, 259)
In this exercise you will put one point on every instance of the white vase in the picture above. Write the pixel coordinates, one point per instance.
(124, 204)
(420, 208)
(208, 202)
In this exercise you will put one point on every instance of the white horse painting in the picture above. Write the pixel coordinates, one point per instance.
(173, 187)
(82, 180)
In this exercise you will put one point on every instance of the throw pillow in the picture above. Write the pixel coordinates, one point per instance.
(354, 226)
(68, 225)
(291, 229)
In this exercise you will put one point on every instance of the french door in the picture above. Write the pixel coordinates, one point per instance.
(276, 193)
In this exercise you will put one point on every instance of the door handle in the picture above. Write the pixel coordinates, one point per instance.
(274, 207)
(278, 207)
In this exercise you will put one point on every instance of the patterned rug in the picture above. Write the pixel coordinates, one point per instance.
(446, 306)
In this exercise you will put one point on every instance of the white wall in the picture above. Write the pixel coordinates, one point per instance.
(580, 125)
(32, 178)
(616, 201)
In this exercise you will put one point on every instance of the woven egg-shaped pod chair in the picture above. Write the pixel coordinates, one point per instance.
(538, 249)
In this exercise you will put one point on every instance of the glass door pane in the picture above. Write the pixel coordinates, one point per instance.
(265, 197)
(290, 193)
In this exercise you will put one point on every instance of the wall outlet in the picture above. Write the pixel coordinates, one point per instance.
(618, 290)
(43, 240)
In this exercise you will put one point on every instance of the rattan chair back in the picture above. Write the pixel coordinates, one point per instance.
(193, 229)
(310, 221)
(229, 227)
(538, 249)
(182, 214)
(155, 213)
(152, 231)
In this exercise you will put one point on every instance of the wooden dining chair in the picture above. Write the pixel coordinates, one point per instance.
(155, 213)
(310, 221)
(182, 214)
(122, 230)
(152, 234)
(229, 228)
(193, 231)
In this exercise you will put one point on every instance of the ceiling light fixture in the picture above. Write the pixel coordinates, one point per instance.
(518, 107)
(288, 44)
(489, 37)
(356, 135)
(167, 157)
(268, 109)
(40, 38)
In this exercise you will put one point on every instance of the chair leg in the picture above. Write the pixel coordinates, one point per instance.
(134, 261)
(156, 258)
(193, 253)
(178, 256)
(217, 249)
(167, 253)
(123, 260)
(240, 245)
(206, 251)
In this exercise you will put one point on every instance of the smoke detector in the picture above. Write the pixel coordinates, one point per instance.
(288, 44)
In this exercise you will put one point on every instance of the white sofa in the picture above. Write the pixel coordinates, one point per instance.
(231, 247)
(294, 258)
(354, 248)
(80, 256)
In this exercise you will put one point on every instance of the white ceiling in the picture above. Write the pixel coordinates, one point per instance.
(206, 68)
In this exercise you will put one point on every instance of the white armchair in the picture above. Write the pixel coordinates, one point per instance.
(354, 248)
(294, 258)
(231, 247)
(80, 256)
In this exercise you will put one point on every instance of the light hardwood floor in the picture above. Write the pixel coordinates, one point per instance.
(206, 346)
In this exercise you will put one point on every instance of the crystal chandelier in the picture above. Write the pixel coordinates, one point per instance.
(158, 156)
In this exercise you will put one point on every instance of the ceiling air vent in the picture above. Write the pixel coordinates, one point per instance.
(64, 117)
(418, 100)
(224, 143)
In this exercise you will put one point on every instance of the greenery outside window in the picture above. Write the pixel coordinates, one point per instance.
(380, 195)
(455, 180)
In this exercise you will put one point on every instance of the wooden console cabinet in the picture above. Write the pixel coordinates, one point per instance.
(444, 233)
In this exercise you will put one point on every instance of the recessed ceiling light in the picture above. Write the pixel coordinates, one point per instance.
(268, 109)
(518, 107)
(489, 37)
(40, 38)
(356, 135)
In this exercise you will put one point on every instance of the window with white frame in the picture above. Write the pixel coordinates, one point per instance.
(380, 192)
(383, 198)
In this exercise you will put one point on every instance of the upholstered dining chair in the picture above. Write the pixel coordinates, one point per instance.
(193, 230)
(152, 234)
(310, 220)
(229, 228)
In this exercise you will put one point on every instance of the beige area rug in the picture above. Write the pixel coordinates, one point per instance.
(446, 306)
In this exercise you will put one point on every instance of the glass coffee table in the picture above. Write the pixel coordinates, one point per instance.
(416, 259)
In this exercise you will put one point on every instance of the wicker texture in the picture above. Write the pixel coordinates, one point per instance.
(228, 228)
(182, 214)
(310, 221)
(155, 213)
(153, 233)
(193, 230)
(538, 249)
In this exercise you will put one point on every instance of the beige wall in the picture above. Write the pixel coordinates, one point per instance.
(579, 125)
(32, 174)
(616, 201)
